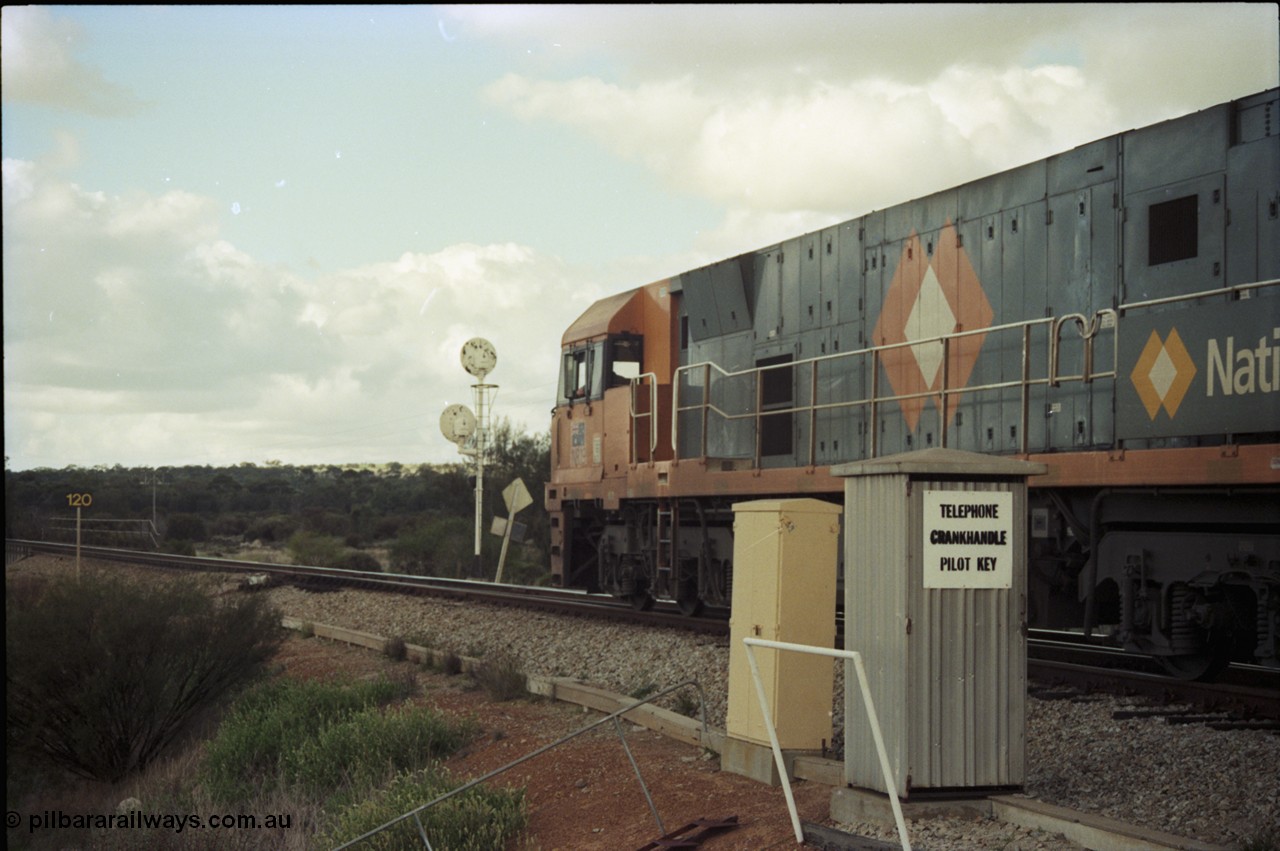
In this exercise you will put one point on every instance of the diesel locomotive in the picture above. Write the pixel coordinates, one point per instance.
(1112, 312)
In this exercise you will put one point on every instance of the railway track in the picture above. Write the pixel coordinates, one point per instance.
(558, 600)
(1055, 659)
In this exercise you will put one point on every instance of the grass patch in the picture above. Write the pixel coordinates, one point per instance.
(641, 692)
(274, 720)
(357, 759)
(358, 752)
(686, 703)
(395, 649)
(502, 677)
(475, 820)
(451, 664)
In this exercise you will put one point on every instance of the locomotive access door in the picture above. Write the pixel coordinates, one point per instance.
(776, 392)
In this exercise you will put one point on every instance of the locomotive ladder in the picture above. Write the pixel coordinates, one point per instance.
(667, 519)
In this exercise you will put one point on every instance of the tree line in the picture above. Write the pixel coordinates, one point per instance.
(400, 518)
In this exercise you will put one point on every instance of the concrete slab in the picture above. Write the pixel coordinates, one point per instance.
(1095, 832)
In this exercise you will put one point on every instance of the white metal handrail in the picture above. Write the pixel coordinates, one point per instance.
(874, 399)
(1088, 328)
(1234, 291)
(651, 415)
(872, 718)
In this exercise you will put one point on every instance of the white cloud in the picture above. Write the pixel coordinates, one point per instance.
(841, 110)
(134, 331)
(1141, 52)
(839, 149)
(37, 65)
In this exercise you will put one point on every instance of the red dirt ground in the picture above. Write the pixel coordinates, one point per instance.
(584, 794)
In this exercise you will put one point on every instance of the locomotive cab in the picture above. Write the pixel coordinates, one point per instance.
(612, 416)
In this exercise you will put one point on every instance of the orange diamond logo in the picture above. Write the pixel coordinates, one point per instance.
(929, 298)
(1163, 373)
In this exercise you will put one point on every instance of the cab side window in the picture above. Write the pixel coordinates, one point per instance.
(624, 359)
(580, 374)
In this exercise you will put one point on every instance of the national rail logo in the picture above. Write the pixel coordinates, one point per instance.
(1163, 373)
(935, 291)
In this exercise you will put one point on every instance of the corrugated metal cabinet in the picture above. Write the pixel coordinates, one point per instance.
(935, 601)
(784, 573)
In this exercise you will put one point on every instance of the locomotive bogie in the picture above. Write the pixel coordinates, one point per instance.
(1112, 312)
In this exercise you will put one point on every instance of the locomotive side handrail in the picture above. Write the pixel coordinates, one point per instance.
(874, 399)
(651, 415)
(1234, 291)
(1088, 328)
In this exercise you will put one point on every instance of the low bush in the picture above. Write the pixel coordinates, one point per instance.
(102, 674)
(394, 648)
(440, 547)
(314, 549)
(687, 704)
(476, 820)
(502, 677)
(271, 529)
(452, 664)
(338, 748)
(356, 753)
(187, 527)
(359, 560)
(269, 722)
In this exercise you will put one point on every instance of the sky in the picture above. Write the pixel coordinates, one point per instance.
(252, 234)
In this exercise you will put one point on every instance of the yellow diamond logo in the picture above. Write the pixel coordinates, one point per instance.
(1163, 373)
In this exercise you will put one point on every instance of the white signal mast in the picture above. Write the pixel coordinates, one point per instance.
(471, 430)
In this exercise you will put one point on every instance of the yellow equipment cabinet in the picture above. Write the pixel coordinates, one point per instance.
(784, 589)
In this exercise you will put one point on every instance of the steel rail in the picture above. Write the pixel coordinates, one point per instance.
(1044, 647)
(563, 600)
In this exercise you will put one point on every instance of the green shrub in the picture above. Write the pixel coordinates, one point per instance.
(443, 546)
(686, 703)
(178, 546)
(394, 648)
(314, 549)
(421, 638)
(357, 753)
(476, 820)
(643, 691)
(357, 560)
(275, 528)
(103, 674)
(186, 527)
(274, 720)
(502, 677)
(228, 526)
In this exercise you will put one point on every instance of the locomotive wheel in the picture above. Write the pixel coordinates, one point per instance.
(1205, 665)
(641, 601)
